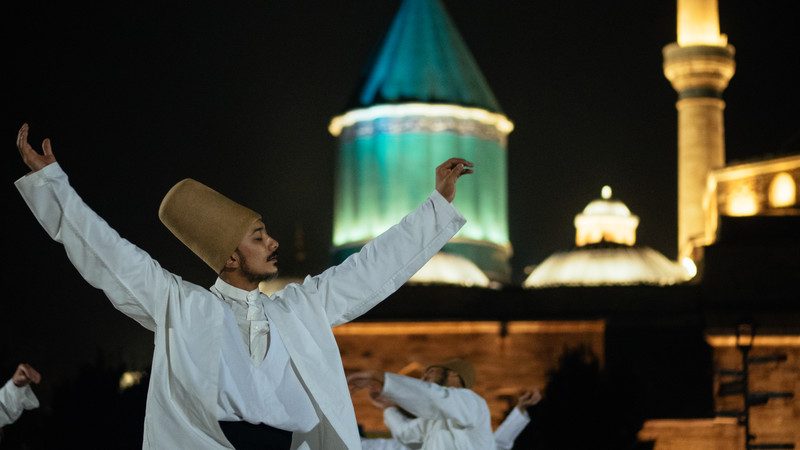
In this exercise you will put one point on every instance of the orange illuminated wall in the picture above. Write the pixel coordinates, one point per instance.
(776, 422)
(508, 357)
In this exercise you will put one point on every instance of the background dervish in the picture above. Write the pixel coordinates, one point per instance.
(233, 367)
(16, 395)
(447, 414)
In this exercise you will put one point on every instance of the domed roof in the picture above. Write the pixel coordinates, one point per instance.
(447, 268)
(605, 220)
(602, 207)
(605, 254)
(607, 264)
(276, 284)
(605, 206)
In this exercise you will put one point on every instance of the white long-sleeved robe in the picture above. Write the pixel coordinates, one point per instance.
(14, 400)
(446, 418)
(512, 426)
(187, 319)
(504, 435)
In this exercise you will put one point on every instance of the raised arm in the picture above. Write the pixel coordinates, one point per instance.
(385, 263)
(421, 398)
(17, 396)
(517, 420)
(134, 282)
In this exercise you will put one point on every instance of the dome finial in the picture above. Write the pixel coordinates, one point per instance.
(606, 192)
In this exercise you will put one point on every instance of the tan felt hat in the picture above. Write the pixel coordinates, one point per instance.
(462, 367)
(207, 222)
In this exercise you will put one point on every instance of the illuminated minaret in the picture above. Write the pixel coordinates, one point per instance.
(421, 100)
(699, 66)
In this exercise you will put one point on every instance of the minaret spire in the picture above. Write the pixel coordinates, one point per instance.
(699, 66)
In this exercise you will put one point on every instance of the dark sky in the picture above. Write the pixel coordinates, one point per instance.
(138, 95)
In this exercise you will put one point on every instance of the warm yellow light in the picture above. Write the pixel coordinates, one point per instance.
(130, 379)
(691, 268)
(448, 268)
(698, 23)
(605, 220)
(776, 340)
(556, 326)
(406, 328)
(782, 191)
(419, 109)
(488, 327)
(742, 202)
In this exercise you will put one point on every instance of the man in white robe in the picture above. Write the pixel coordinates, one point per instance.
(16, 395)
(203, 377)
(446, 413)
(504, 435)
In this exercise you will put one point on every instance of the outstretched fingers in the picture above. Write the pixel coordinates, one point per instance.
(30, 156)
(459, 166)
(22, 140)
(47, 147)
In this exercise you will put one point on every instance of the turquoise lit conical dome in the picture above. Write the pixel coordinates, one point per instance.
(421, 100)
(423, 58)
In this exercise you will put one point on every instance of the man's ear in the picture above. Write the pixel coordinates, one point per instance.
(232, 262)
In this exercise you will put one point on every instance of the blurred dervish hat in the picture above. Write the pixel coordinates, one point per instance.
(462, 367)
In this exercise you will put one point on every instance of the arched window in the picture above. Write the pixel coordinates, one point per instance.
(782, 191)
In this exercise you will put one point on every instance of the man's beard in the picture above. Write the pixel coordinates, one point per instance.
(255, 277)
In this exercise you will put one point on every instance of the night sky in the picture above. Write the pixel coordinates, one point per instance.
(137, 95)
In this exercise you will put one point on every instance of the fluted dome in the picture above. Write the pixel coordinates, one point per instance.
(607, 264)
(605, 220)
(447, 268)
(606, 207)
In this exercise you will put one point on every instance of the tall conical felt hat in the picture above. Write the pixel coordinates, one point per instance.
(207, 222)
(462, 367)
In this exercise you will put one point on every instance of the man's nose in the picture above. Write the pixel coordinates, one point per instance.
(274, 244)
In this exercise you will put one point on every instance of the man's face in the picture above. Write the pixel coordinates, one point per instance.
(258, 254)
(442, 377)
(435, 374)
(453, 379)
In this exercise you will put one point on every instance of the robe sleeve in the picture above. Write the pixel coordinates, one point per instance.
(385, 263)
(382, 444)
(430, 401)
(14, 400)
(511, 427)
(133, 281)
(408, 432)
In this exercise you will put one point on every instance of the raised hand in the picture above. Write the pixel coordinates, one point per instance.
(447, 174)
(31, 157)
(25, 375)
(529, 398)
(368, 379)
(380, 401)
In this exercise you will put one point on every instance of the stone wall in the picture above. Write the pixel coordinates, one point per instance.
(508, 356)
(776, 422)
